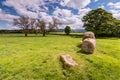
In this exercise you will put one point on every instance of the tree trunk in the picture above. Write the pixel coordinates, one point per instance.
(43, 33)
(26, 32)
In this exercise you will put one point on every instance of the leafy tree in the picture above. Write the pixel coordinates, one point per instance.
(99, 21)
(24, 23)
(116, 29)
(67, 30)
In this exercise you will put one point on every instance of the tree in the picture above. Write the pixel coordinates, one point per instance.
(42, 25)
(24, 23)
(99, 21)
(56, 22)
(67, 30)
(116, 29)
(52, 25)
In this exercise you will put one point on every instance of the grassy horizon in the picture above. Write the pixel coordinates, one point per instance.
(37, 58)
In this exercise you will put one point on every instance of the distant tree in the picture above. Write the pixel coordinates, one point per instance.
(33, 25)
(67, 30)
(42, 25)
(99, 21)
(56, 22)
(51, 25)
(24, 23)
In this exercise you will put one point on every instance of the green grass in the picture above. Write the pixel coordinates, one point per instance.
(37, 58)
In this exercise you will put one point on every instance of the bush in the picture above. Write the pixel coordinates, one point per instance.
(67, 30)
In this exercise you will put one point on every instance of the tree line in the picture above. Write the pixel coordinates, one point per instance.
(99, 21)
(35, 25)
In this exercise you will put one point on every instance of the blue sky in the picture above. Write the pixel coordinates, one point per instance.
(68, 12)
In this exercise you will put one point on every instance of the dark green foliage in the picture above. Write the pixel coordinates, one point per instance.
(67, 30)
(116, 28)
(99, 21)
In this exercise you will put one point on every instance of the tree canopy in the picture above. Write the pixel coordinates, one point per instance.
(67, 30)
(25, 23)
(99, 21)
(41, 24)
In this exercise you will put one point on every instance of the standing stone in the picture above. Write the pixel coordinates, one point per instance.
(88, 42)
(88, 35)
(88, 45)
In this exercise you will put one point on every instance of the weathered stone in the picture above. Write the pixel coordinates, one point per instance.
(88, 45)
(88, 35)
(67, 60)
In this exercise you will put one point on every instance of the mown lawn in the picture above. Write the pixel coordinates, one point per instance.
(37, 58)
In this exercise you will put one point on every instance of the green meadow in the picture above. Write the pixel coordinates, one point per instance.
(38, 58)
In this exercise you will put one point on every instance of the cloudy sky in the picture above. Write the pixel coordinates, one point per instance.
(69, 12)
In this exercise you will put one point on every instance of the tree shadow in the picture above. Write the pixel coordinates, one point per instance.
(108, 37)
(79, 45)
(58, 34)
(74, 35)
(20, 35)
(111, 38)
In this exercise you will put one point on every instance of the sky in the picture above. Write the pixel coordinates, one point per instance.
(68, 12)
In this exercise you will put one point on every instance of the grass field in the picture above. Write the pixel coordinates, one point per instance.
(37, 58)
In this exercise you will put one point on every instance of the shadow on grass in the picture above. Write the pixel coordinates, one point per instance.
(20, 35)
(110, 38)
(74, 35)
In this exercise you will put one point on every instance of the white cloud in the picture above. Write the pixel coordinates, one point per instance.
(83, 11)
(8, 26)
(76, 4)
(115, 9)
(102, 6)
(29, 4)
(64, 2)
(28, 8)
(96, 0)
(74, 24)
(117, 16)
(6, 17)
(114, 5)
(66, 17)
(116, 13)
(31, 8)
(44, 16)
(62, 12)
